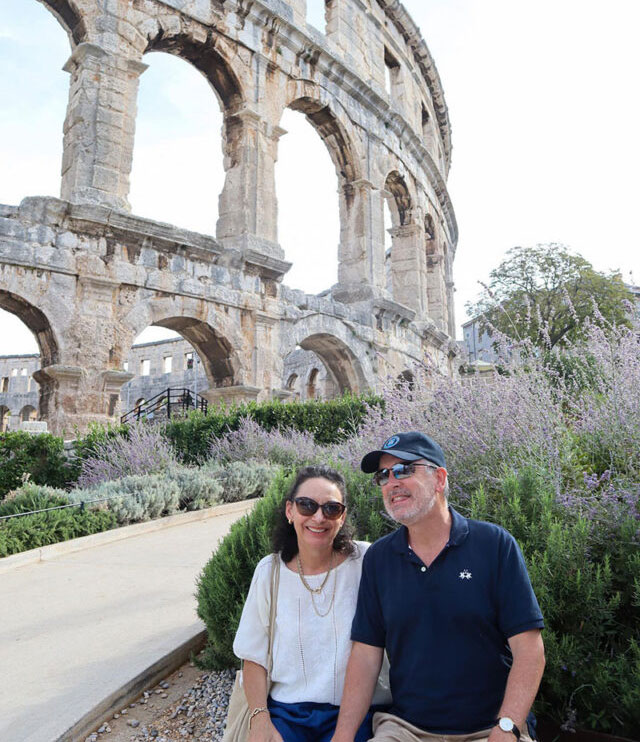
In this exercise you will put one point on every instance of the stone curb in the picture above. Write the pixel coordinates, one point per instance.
(45, 553)
(127, 693)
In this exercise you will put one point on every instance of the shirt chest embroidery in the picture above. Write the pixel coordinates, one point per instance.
(465, 574)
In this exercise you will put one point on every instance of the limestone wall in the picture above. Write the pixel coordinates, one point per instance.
(86, 276)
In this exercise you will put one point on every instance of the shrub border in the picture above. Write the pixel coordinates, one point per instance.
(45, 553)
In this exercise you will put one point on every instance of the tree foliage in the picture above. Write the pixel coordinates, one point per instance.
(544, 293)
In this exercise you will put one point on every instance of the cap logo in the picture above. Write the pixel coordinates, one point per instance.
(391, 442)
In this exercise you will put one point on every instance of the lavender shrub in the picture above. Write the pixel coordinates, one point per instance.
(287, 447)
(144, 450)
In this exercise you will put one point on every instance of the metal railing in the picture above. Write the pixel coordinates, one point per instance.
(170, 401)
(80, 505)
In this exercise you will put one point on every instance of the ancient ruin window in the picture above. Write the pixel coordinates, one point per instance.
(23, 372)
(167, 363)
(428, 130)
(35, 91)
(125, 366)
(28, 413)
(311, 384)
(308, 217)
(291, 381)
(392, 73)
(177, 170)
(14, 372)
(188, 361)
(4, 384)
(145, 367)
(317, 14)
(5, 417)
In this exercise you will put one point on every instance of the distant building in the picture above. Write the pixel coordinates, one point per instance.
(19, 394)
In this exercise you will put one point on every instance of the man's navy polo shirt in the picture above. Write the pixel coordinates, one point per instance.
(445, 627)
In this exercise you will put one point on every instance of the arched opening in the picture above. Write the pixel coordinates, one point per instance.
(308, 376)
(177, 170)
(397, 214)
(312, 390)
(318, 14)
(28, 344)
(339, 360)
(5, 418)
(180, 354)
(406, 381)
(308, 213)
(34, 90)
(28, 414)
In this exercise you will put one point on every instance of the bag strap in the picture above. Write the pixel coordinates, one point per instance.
(273, 603)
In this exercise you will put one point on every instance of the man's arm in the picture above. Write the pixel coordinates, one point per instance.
(523, 681)
(363, 669)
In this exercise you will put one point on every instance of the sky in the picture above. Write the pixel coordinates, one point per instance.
(545, 117)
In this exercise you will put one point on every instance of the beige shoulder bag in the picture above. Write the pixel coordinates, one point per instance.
(237, 729)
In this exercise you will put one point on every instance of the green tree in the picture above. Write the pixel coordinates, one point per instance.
(544, 293)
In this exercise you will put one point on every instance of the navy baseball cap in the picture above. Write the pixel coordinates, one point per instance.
(408, 447)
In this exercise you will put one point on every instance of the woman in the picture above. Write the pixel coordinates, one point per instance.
(319, 577)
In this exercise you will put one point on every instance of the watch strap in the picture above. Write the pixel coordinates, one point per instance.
(514, 729)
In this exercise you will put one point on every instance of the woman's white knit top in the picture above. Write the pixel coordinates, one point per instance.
(310, 652)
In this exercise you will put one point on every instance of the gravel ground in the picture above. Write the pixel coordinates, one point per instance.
(188, 705)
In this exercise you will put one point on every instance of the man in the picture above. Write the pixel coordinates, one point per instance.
(451, 602)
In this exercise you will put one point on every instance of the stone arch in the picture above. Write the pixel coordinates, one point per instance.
(216, 342)
(291, 381)
(339, 349)
(333, 132)
(208, 60)
(36, 320)
(69, 17)
(28, 413)
(312, 383)
(399, 199)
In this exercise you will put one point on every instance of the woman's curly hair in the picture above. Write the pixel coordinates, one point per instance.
(284, 537)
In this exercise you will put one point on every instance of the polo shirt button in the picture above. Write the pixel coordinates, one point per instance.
(423, 569)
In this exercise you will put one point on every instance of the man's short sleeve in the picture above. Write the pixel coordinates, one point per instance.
(368, 622)
(518, 608)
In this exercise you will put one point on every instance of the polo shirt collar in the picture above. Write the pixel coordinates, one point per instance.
(458, 533)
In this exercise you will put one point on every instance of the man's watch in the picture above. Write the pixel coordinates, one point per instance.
(508, 725)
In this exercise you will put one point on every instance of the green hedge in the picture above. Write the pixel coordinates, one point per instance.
(327, 421)
(32, 531)
(588, 588)
(40, 456)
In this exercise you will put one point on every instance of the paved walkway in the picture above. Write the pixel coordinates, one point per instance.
(77, 627)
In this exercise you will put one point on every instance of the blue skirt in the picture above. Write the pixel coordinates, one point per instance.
(311, 722)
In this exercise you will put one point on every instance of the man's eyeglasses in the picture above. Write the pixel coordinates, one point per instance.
(331, 510)
(400, 471)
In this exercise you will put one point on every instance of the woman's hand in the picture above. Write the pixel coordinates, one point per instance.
(262, 730)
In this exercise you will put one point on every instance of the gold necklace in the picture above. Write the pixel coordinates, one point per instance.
(305, 583)
(333, 597)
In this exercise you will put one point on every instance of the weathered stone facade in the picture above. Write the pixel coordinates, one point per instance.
(87, 277)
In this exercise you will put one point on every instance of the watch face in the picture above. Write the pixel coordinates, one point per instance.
(506, 724)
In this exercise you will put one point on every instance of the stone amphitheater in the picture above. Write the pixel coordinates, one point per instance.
(86, 276)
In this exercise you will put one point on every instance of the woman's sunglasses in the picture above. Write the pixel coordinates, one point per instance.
(331, 510)
(400, 471)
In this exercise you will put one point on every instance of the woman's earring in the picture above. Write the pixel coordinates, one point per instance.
(290, 522)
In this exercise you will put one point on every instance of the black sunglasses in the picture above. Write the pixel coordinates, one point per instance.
(400, 471)
(331, 510)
